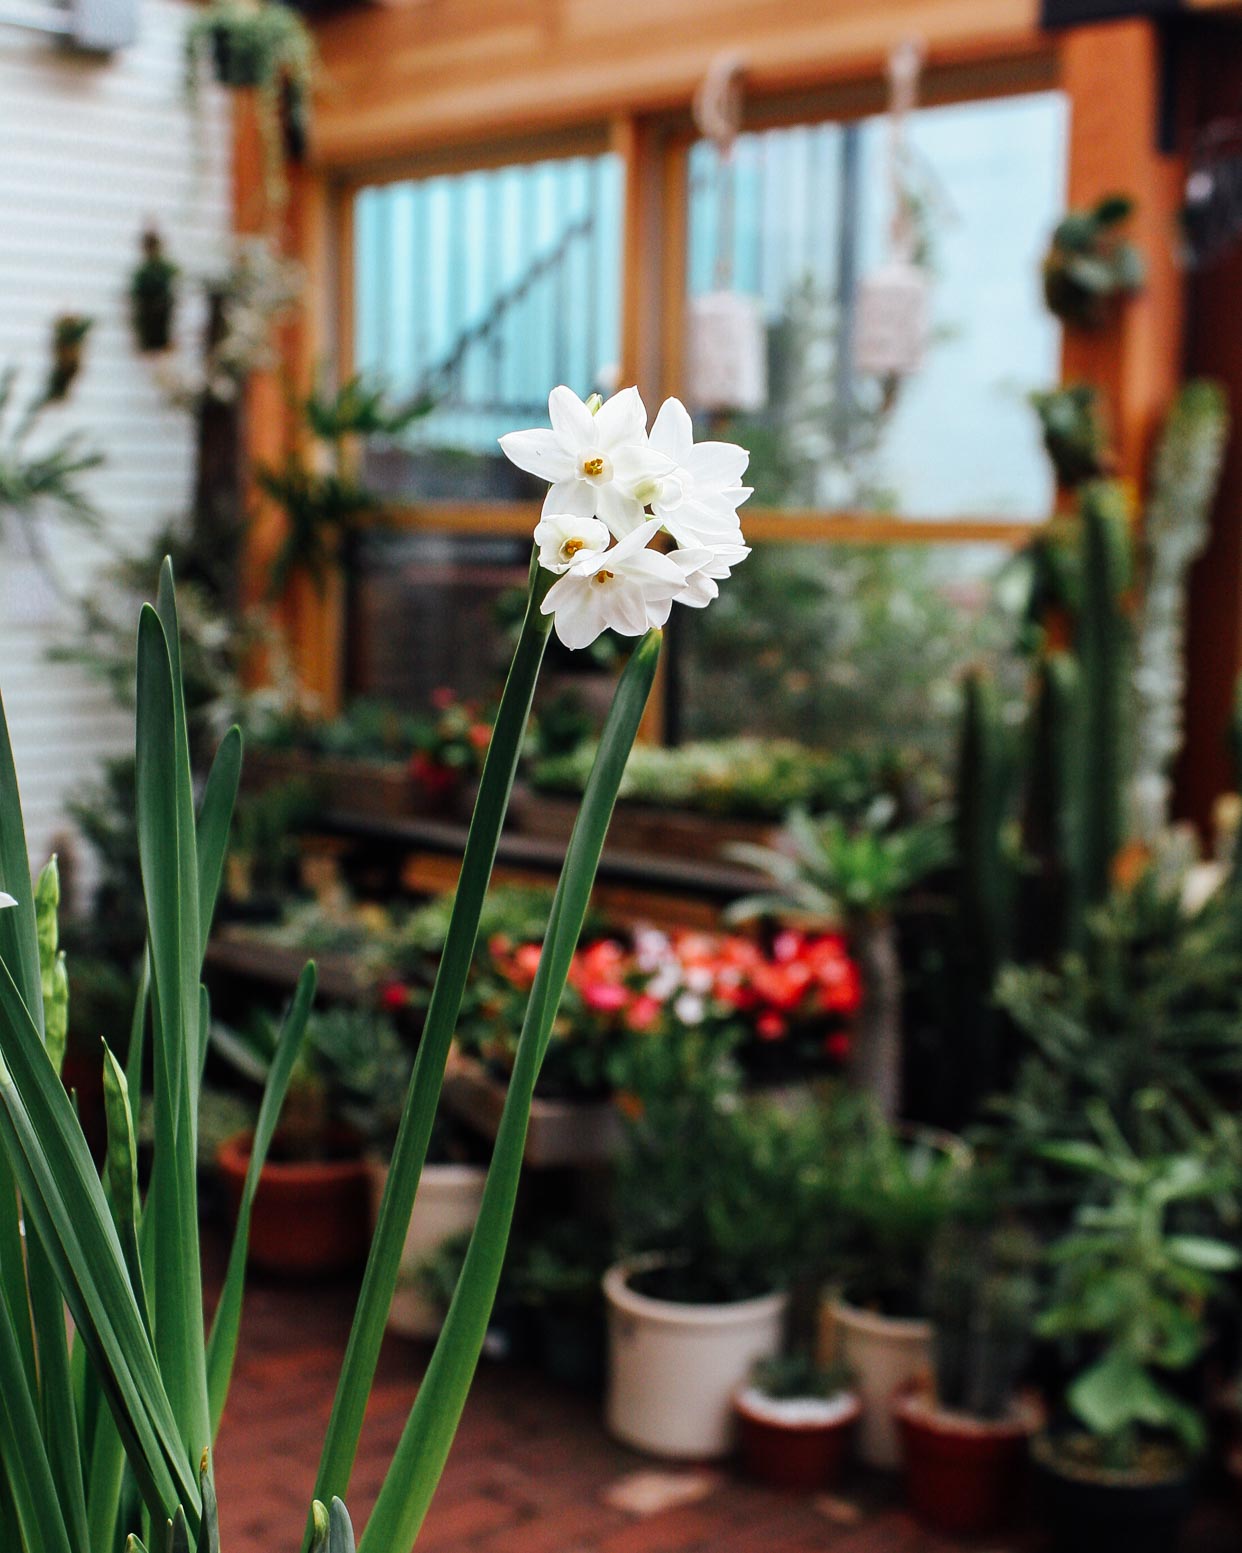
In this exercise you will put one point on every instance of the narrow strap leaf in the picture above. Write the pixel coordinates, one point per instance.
(178, 1533)
(225, 1326)
(58, 1413)
(215, 819)
(33, 1488)
(209, 1526)
(65, 1201)
(410, 1149)
(428, 1435)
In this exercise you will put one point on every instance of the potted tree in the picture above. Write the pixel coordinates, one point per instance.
(708, 1225)
(1131, 1303)
(966, 1436)
(890, 1190)
(310, 1212)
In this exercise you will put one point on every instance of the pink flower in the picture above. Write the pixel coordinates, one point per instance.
(604, 997)
(642, 1013)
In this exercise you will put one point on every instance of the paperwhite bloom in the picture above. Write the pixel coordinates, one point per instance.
(628, 589)
(699, 489)
(705, 567)
(6, 900)
(564, 540)
(579, 456)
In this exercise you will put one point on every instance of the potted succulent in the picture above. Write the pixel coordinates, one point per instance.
(1131, 1303)
(1090, 267)
(795, 1422)
(708, 1227)
(889, 1192)
(966, 1436)
(445, 1208)
(311, 1211)
(153, 295)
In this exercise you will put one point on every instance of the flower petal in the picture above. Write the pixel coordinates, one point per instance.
(623, 418)
(570, 498)
(572, 422)
(716, 463)
(538, 452)
(6, 900)
(622, 513)
(673, 431)
(626, 606)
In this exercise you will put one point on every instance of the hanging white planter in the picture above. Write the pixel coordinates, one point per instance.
(890, 325)
(726, 352)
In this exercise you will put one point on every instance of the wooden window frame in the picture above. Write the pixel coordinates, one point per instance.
(1110, 74)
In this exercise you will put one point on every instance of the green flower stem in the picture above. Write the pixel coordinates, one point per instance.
(428, 1435)
(410, 1151)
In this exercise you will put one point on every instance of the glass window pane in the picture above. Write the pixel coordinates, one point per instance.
(811, 209)
(849, 647)
(483, 290)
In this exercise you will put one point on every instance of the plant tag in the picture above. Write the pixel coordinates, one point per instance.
(726, 352)
(890, 326)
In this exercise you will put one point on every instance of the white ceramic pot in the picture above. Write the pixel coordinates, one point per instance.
(883, 1354)
(447, 1204)
(673, 1368)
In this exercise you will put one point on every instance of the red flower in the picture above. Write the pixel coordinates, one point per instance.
(605, 997)
(838, 1046)
(480, 736)
(770, 1027)
(394, 997)
(642, 1013)
(443, 697)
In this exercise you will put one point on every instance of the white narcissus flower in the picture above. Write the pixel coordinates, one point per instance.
(704, 567)
(628, 589)
(6, 900)
(565, 541)
(697, 493)
(579, 456)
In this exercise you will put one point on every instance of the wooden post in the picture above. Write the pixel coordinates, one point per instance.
(1111, 73)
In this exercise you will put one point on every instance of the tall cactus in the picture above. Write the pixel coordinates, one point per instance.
(1051, 918)
(1103, 655)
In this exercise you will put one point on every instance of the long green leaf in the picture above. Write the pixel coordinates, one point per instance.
(428, 1435)
(410, 1149)
(168, 852)
(31, 1483)
(65, 1200)
(222, 1344)
(58, 1413)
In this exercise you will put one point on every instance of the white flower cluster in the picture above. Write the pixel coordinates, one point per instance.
(612, 488)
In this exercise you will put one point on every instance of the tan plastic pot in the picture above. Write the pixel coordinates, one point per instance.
(447, 1204)
(884, 1354)
(673, 1368)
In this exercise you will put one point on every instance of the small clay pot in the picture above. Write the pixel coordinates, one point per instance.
(965, 1476)
(803, 1456)
(311, 1218)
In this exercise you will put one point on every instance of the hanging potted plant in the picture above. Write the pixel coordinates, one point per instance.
(264, 47)
(153, 295)
(1090, 268)
(708, 1225)
(965, 1436)
(311, 1210)
(1132, 1301)
(890, 1191)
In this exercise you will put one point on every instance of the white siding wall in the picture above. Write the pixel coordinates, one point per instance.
(91, 150)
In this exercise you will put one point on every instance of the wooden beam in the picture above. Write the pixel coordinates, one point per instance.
(1112, 75)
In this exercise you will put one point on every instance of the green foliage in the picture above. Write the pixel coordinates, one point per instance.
(827, 870)
(728, 1217)
(854, 648)
(743, 778)
(1133, 1289)
(47, 479)
(153, 294)
(1075, 431)
(266, 828)
(791, 1377)
(1091, 265)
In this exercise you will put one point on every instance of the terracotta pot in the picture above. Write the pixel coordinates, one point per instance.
(1087, 1512)
(964, 1475)
(802, 1455)
(673, 1368)
(309, 1218)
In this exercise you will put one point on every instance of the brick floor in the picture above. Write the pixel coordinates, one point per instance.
(529, 1469)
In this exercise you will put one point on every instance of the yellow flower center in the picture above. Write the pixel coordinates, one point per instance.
(592, 467)
(571, 548)
(602, 577)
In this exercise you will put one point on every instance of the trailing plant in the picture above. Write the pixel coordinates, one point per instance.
(69, 334)
(144, 1388)
(1075, 431)
(1132, 1295)
(1090, 265)
(263, 46)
